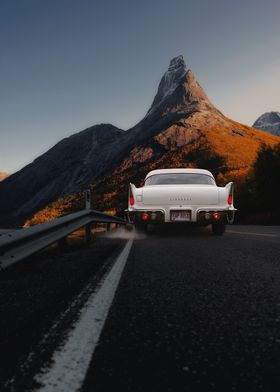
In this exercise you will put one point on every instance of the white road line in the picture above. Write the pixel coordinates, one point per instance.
(71, 361)
(250, 233)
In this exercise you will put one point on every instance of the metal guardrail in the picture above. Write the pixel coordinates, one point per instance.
(19, 244)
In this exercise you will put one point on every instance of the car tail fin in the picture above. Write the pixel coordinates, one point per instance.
(229, 186)
(131, 194)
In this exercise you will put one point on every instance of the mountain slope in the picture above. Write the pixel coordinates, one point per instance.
(64, 169)
(181, 128)
(269, 122)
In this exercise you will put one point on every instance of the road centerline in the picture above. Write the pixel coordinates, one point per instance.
(70, 362)
(251, 233)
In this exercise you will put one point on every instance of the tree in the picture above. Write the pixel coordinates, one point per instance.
(267, 179)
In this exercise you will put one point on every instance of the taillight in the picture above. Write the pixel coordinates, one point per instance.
(216, 215)
(229, 200)
(131, 200)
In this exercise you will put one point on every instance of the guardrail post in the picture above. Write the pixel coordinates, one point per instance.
(62, 244)
(88, 234)
(88, 199)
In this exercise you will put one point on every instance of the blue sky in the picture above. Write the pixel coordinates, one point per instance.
(66, 65)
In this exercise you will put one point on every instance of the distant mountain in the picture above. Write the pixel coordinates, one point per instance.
(182, 128)
(269, 122)
(3, 175)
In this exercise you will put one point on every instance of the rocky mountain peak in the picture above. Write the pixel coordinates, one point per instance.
(179, 91)
(172, 78)
(177, 63)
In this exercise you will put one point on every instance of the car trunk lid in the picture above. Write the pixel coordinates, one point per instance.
(180, 195)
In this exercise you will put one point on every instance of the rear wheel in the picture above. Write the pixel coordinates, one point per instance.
(128, 227)
(218, 228)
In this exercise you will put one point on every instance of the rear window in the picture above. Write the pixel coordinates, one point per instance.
(179, 178)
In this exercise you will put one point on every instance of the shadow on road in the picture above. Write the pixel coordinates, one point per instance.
(179, 230)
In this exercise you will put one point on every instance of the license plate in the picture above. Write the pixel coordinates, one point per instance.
(180, 216)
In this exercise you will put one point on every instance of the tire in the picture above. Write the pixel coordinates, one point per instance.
(218, 229)
(128, 227)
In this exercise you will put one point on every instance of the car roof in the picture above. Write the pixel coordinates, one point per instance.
(179, 170)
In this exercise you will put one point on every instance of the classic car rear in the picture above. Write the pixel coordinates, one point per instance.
(181, 196)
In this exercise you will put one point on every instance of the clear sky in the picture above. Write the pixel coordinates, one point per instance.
(69, 64)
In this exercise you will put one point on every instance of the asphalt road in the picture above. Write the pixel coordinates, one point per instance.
(191, 312)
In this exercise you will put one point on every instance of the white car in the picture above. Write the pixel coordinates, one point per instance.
(181, 196)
